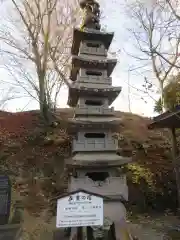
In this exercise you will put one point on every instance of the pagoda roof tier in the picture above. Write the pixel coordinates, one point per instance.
(93, 123)
(92, 35)
(96, 119)
(97, 160)
(84, 62)
(75, 91)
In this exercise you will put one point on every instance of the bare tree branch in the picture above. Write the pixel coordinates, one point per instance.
(157, 39)
(173, 9)
(38, 49)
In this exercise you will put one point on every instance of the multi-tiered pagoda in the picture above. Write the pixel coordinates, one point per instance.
(94, 158)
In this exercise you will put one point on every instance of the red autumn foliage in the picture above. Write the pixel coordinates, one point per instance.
(17, 125)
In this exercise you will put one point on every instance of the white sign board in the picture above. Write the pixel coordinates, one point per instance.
(79, 210)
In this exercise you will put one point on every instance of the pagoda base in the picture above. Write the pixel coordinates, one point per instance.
(114, 227)
(97, 160)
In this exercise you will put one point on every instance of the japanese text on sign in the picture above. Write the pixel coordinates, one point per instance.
(79, 209)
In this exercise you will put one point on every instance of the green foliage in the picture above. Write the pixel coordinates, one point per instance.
(150, 191)
(171, 95)
(158, 106)
(140, 172)
(173, 234)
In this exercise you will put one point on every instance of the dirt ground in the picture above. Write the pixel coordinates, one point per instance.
(145, 228)
(153, 227)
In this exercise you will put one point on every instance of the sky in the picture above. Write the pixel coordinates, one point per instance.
(115, 21)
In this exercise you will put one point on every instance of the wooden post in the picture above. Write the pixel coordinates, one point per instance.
(176, 164)
(89, 233)
(79, 233)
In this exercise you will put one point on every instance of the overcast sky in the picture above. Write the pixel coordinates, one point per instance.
(116, 20)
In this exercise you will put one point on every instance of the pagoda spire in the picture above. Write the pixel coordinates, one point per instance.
(91, 18)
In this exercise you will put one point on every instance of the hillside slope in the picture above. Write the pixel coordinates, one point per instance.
(34, 158)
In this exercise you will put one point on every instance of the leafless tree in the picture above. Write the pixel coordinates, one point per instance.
(7, 94)
(156, 39)
(35, 44)
(174, 6)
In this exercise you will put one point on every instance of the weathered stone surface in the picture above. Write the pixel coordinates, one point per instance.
(112, 187)
(97, 160)
(5, 199)
(10, 232)
(89, 141)
(76, 91)
(17, 216)
(96, 48)
(90, 34)
(93, 76)
(91, 63)
(95, 110)
(91, 18)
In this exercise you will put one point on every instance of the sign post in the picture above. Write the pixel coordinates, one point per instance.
(79, 209)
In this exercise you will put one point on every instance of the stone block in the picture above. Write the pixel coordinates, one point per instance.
(94, 106)
(101, 73)
(93, 48)
(94, 110)
(90, 34)
(94, 80)
(76, 91)
(96, 160)
(5, 199)
(93, 101)
(113, 187)
(17, 216)
(93, 145)
(96, 76)
(10, 232)
(94, 141)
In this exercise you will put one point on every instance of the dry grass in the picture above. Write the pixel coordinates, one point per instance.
(37, 229)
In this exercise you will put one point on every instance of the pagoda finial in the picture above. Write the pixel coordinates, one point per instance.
(91, 17)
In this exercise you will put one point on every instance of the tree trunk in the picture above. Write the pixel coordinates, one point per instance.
(162, 97)
(79, 233)
(44, 108)
(89, 233)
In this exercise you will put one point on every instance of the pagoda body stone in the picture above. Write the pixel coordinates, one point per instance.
(94, 162)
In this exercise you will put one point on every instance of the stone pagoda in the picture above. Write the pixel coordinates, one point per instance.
(95, 163)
